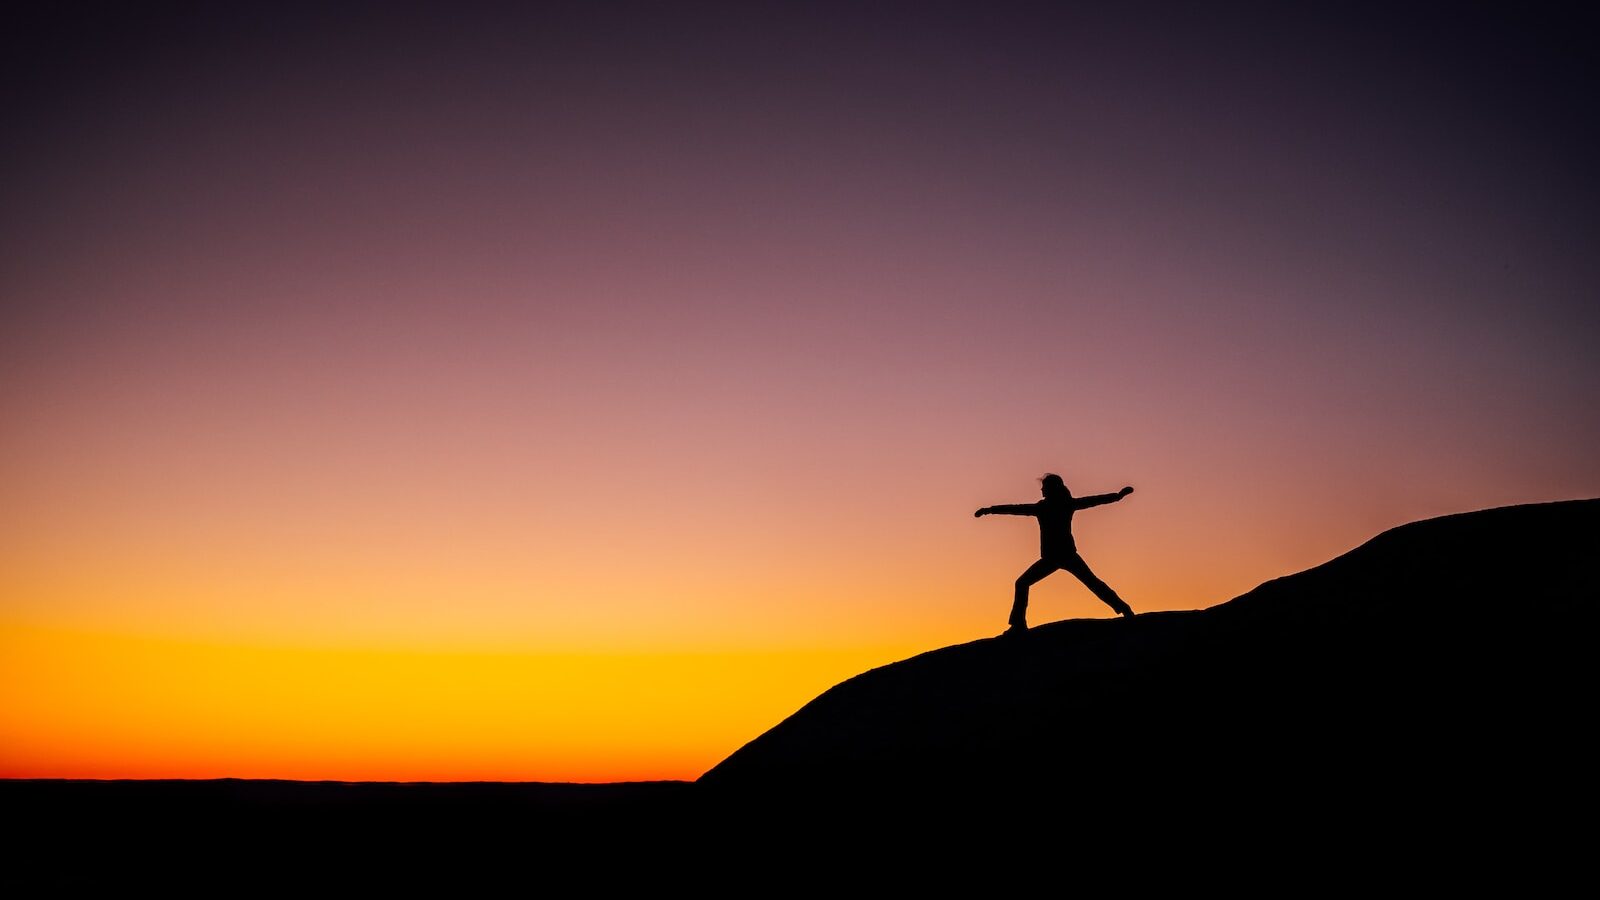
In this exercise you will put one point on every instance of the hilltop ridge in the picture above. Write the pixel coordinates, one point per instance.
(1449, 643)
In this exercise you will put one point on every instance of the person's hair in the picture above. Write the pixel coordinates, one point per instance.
(1052, 480)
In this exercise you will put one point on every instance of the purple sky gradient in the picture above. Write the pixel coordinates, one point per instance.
(793, 288)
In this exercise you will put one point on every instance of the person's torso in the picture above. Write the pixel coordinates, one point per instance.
(1055, 528)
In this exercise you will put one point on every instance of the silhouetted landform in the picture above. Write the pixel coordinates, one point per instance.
(1444, 665)
(1419, 704)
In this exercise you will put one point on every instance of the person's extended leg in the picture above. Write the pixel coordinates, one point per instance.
(1019, 605)
(1078, 567)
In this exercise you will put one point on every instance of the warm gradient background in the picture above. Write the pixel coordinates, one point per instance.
(571, 396)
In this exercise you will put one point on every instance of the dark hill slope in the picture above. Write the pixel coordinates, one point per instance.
(1451, 656)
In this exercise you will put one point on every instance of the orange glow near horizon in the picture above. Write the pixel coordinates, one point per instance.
(165, 708)
(212, 588)
(305, 685)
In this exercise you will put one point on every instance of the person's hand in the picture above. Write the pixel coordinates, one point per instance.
(1125, 492)
(979, 513)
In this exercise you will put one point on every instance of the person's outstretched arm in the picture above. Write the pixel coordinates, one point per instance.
(1009, 509)
(1098, 499)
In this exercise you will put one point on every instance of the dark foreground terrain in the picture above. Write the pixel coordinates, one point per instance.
(1423, 701)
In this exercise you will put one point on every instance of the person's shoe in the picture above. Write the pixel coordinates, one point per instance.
(1016, 628)
(1128, 613)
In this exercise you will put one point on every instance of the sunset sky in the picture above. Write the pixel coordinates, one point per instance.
(573, 394)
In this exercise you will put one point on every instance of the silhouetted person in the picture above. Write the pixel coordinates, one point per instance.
(1057, 550)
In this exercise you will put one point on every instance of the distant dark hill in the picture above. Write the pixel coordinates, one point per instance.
(1445, 663)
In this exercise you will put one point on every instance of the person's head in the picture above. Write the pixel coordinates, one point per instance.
(1051, 485)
